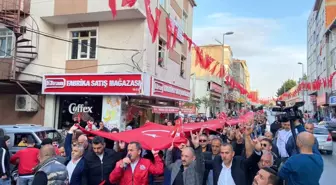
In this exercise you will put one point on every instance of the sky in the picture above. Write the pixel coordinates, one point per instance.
(270, 35)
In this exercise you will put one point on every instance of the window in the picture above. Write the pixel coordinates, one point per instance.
(52, 134)
(6, 42)
(182, 67)
(163, 3)
(83, 44)
(162, 53)
(185, 22)
(20, 139)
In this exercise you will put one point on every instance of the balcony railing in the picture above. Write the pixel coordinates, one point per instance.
(14, 5)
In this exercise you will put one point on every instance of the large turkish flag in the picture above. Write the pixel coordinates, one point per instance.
(150, 136)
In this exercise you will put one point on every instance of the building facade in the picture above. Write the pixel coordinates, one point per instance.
(321, 53)
(87, 62)
(238, 71)
(212, 84)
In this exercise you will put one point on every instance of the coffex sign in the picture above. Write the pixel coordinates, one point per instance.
(73, 108)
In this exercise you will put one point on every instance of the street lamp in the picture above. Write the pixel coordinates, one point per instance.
(193, 75)
(303, 95)
(300, 63)
(222, 79)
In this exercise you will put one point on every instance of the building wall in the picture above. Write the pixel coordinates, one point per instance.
(8, 115)
(130, 32)
(216, 52)
(201, 91)
(320, 60)
(133, 34)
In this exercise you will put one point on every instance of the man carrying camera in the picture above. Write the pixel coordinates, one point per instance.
(307, 166)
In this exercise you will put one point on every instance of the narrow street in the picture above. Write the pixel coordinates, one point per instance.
(328, 176)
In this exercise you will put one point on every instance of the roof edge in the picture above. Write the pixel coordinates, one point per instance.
(193, 2)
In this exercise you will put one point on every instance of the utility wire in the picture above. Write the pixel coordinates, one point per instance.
(19, 60)
(69, 41)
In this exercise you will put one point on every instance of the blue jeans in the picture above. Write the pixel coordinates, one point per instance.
(25, 180)
(5, 182)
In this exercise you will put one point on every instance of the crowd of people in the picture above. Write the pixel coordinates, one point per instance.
(244, 154)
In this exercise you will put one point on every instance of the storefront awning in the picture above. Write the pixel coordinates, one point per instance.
(164, 109)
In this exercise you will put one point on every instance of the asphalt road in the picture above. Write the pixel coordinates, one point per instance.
(328, 176)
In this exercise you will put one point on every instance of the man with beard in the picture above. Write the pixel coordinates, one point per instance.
(266, 176)
(99, 163)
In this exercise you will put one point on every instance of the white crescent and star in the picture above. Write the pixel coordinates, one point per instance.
(151, 134)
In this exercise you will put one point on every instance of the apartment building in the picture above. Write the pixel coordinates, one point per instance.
(246, 76)
(91, 65)
(204, 83)
(321, 53)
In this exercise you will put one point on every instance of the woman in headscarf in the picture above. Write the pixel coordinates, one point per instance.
(4, 162)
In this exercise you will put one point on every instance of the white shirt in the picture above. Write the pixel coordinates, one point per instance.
(133, 165)
(71, 167)
(101, 157)
(283, 137)
(225, 177)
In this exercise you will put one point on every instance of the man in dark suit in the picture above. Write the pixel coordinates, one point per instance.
(231, 170)
(209, 156)
(75, 166)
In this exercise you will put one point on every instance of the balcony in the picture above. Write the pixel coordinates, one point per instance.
(15, 5)
(74, 11)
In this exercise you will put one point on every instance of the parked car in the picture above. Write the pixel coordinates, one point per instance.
(331, 126)
(324, 139)
(37, 132)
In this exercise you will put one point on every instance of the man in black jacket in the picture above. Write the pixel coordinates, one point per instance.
(229, 169)
(99, 163)
(209, 156)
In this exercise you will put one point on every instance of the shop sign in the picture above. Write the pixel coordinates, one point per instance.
(215, 87)
(332, 100)
(111, 84)
(169, 91)
(73, 108)
(166, 110)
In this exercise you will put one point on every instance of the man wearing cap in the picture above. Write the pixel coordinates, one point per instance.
(27, 159)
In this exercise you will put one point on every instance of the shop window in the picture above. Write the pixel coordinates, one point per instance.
(18, 137)
(83, 44)
(182, 66)
(162, 53)
(89, 107)
(6, 43)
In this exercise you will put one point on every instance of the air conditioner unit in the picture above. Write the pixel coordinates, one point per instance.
(26, 103)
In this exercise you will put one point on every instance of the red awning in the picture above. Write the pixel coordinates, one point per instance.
(167, 110)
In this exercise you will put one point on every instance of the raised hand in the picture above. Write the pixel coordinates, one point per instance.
(249, 129)
(257, 145)
(195, 139)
